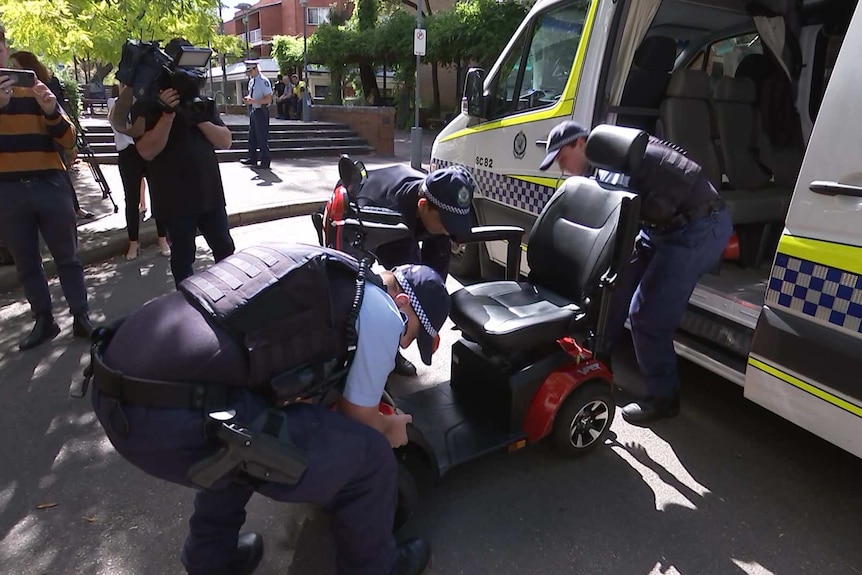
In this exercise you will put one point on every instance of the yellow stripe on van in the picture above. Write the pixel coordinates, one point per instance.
(563, 108)
(548, 182)
(804, 386)
(829, 254)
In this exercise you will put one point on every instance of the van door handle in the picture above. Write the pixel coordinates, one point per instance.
(541, 143)
(835, 189)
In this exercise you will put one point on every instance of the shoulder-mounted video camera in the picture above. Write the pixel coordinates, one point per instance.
(148, 70)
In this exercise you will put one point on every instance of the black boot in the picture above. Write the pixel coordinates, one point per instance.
(45, 329)
(651, 409)
(404, 366)
(248, 554)
(81, 326)
(413, 556)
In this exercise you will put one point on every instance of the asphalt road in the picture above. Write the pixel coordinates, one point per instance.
(727, 487)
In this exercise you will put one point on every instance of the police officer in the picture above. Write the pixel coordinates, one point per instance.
(435, 207)
(685, 228)
(259, 98)
(146, 400)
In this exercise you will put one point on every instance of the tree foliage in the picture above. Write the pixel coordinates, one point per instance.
(96, 29)
(287, 52)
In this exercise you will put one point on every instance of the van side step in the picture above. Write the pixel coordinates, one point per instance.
(727, 365)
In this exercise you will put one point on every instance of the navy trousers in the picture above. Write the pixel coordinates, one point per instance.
(258, 134)
(665, 268)
(436, 253)
(215, 229)
(43, 205)
(352, 473)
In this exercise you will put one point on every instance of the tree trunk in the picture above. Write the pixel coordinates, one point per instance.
(369, 84)
(102, 70)
(459, 82)
(336, 96)
(436, 85)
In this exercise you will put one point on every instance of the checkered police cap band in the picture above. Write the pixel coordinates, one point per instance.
(415, 303)
(444, 206)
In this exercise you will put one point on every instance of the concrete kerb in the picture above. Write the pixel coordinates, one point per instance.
(113, 243)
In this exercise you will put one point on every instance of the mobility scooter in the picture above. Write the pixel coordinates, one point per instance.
(532, 361)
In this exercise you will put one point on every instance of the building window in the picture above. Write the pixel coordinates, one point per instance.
(317, 16)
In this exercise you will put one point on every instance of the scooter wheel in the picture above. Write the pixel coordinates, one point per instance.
(408, 496)
(584, 420)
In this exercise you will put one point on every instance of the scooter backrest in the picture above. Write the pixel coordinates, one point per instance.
(616, 148)
(587, 227)
(351, 176)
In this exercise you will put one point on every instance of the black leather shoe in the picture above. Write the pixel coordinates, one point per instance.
(248, 162)
(81, 326)
(45, 329)
(248, 554)
(404, 366)
(651, 409)
(413, 556)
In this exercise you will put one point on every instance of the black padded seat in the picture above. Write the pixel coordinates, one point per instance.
(512, 316)
(585, 232)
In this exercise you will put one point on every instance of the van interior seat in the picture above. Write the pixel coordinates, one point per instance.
(684, 119)
(647, 82)
(783, 159)
(753, 198)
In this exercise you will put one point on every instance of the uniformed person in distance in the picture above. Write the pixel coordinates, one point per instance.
(258, 99)
(351, 468)
(437, 207)
(685, 228)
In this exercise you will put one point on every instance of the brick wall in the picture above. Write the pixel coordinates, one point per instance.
(374, 123)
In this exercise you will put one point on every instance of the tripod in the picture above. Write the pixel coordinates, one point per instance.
(90, 158)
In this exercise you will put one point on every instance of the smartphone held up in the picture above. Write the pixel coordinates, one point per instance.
(21, 78)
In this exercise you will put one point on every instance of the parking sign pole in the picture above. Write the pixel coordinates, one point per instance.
(416, 131)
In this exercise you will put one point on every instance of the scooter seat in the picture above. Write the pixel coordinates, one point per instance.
(507, 316)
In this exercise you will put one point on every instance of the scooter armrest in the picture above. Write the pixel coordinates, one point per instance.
(512, 235)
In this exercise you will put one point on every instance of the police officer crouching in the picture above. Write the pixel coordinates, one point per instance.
(264, 374)
(437, 207)
(685, 228)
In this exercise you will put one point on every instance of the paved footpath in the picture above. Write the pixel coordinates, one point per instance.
(292, 187)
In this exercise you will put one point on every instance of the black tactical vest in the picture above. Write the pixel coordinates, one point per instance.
(290, 306)
(669, 182)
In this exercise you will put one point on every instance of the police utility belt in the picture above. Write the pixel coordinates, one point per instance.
(684, 218)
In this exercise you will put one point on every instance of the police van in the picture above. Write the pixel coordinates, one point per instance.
(758, 93)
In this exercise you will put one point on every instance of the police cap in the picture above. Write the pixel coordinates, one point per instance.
(450, 190)
(563, 134)
(429, 299)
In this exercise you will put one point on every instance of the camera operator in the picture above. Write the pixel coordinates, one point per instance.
(35, 198)
(186, 187)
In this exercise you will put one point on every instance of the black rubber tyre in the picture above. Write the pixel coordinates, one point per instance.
(584, 419)
(408, 496)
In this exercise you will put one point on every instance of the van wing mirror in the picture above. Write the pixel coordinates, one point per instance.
(473, 103)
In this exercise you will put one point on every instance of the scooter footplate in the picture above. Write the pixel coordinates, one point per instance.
(448, 431)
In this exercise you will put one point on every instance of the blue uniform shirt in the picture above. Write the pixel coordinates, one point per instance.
(380, 327)
(258, 87)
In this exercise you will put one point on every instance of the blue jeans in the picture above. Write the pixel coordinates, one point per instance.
(654, 293)
(258, 135)
(351, 472)
(43, 205)
(214, 227)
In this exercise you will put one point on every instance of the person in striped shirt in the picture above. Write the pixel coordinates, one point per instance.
(35, 198)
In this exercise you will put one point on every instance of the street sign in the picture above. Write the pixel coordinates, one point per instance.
(419, 39)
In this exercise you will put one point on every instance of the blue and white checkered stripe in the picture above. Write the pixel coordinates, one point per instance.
(507, 190)
(407, 288)
(828, 294)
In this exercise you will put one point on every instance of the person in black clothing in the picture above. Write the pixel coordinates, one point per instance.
(436, 207)
(184, 177)
(280, 105)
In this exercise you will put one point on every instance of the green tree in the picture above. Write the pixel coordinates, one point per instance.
(58, 30)
(287, 52)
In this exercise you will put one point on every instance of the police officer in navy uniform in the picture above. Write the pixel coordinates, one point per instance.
(436, 207)
(142, 400)
(685, 229)
(259, 98)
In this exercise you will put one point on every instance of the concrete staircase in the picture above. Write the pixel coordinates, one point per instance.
(286, 140)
